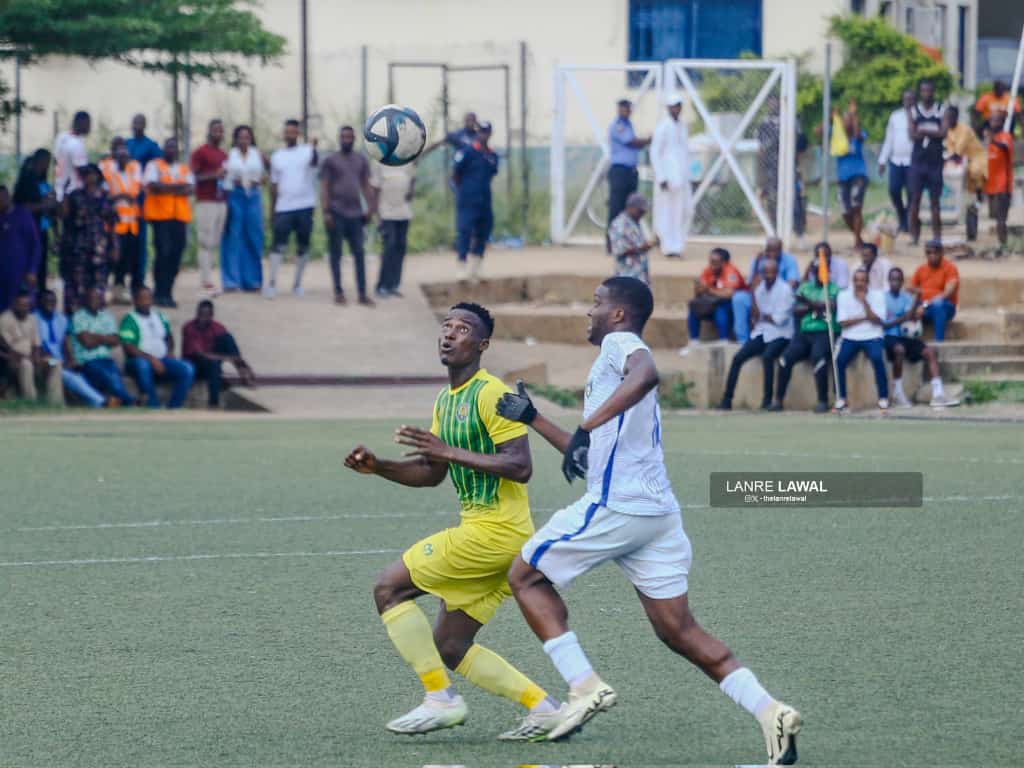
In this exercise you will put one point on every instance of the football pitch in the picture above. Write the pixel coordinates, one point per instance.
(188, 593)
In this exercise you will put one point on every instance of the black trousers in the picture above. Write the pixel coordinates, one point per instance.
(753, 348)
(169, 240)
(815, 346)
(622, 182)
(394, 235)
(349, 229)
(129, 262)
(211, 371)
(44, 258)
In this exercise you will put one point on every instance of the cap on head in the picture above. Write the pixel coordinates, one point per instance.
(673, 100)
(484, 126)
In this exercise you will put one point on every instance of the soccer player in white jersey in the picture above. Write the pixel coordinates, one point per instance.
(629, 515)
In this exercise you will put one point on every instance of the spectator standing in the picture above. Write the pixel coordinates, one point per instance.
(475, 167)
(787, 270)
(460, 138)
(670, 158)
(168, 208)
(626, 241)
(241, 255)
(143, 151)
(88, 244)
(56, 343)
(861, 314)
(625, 157)
(999, 184)
(852, 172)
(927, 129)
(71, 155)
(996, 100)
(936, 283)
(207, 345)
(344, 183)
(394, 187)
(876, 266)
(90, 344)
(713, 297)
(895, 154)
(207, 163)
(293, 170)
(19, 250)
(966, 149)
(811, 339)
(773, 328)
(26, 360)
(124, 185)
(149, 349)
(903, 343)
(34, 193)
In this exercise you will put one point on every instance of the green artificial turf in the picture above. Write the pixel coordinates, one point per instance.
(254, 640)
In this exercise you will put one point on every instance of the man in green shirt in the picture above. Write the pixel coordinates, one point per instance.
(93, 337)
(811, 339)
(149, 348)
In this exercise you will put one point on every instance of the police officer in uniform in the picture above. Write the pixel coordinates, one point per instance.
(625, 155)
(475, 166)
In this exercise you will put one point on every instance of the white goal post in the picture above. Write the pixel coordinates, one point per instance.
(725, 147)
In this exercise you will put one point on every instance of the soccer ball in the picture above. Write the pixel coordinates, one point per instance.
(394, 135)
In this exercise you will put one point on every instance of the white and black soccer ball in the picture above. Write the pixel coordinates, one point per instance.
(394, 135)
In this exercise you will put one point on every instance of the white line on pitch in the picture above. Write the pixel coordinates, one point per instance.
(841, 456)
(214, 556)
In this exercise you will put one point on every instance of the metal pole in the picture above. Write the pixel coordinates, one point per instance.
(524, 158)
(177, 106)
(391, 85)
(17, 114)
(1016, 82)
(508, 134)
(304, 25)
(188, 108)
(826, 117)
(444, 124)
(364, 106)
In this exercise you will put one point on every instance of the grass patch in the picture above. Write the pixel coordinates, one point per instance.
(980, 392)
(674, 393)
(567, 398)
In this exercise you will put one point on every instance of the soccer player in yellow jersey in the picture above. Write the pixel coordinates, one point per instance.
(488, 458)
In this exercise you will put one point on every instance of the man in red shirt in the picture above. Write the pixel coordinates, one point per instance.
(207, 345)
(713, 296)
(936, 283)
(999, 186)
(210, 210)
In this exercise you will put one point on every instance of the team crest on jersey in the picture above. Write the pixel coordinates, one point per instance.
(589, 389)
(462, 413)
(428, 549)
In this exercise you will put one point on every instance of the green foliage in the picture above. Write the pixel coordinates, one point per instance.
(978, 392)
(674, 392)
(566, 398)
(879, 63)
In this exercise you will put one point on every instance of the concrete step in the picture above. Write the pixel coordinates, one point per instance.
(997, 377)
(970, 367)
(952, 350)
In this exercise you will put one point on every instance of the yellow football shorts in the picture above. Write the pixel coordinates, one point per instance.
(466, 566)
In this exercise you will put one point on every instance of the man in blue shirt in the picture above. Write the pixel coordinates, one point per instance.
(53, 335)
(142, 149)
(475, 166)
(852, 172)
(788, 272)
(625, 156)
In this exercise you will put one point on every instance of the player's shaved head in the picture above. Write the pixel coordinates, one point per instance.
(634, 297)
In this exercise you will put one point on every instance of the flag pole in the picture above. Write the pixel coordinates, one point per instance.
(825, 276)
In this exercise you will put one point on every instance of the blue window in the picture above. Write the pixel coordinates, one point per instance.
(693, 29)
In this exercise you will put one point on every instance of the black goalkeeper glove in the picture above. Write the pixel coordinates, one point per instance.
(517, 407)
(574, 463)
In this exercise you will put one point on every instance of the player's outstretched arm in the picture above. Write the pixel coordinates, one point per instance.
(640, 377)
(511, 460)
(517, 406)
(419, 472)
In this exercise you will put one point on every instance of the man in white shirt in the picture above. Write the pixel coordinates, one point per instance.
(293, 174)
(670, 158)
(629, 515)
(395, 187)
(895, 153)
(861, 314)
(71, 155)
(772, 312)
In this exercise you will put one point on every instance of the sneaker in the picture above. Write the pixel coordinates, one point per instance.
(774, 408)
(461, 271)
(431, 715)
(395, 293)
(822, 407)
(901, 401)
(942, 401)
(597, 697)
(839, 407)
(298, 291)
(211, 290)
(269, 291)
(366, 301)
(339, 299)
(475, 265)
(725, 405)
(691, 344)
(780, 724)
(382, 293)
(883, 404)
(535, 726)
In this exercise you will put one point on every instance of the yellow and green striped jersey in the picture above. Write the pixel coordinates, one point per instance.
(467, 418)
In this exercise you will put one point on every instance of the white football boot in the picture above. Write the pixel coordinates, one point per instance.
(535, 726)
(780, 724)
(431, 715)
(596, 697)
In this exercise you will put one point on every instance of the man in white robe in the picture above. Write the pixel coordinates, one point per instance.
(670, 158)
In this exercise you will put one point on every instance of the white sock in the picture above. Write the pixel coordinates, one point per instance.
(275, 265)
(545, 707)
(445, 696)
(743, 688)
(936, 386)
(568, 658)
(897, 389)
(300, 266)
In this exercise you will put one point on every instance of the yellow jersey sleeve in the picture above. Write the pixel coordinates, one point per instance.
(435, 422)
(500, 429)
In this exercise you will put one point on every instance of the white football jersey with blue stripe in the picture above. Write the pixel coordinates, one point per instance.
(625, 466)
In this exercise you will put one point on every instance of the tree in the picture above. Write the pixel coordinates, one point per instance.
(212, 39)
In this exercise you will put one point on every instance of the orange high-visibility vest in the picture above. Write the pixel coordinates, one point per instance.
(127, 182)
(164, 207)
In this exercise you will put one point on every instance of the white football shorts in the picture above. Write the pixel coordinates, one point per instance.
(652, 550)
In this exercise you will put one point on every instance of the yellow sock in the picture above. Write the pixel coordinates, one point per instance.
(487, 670)
(410, 632)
